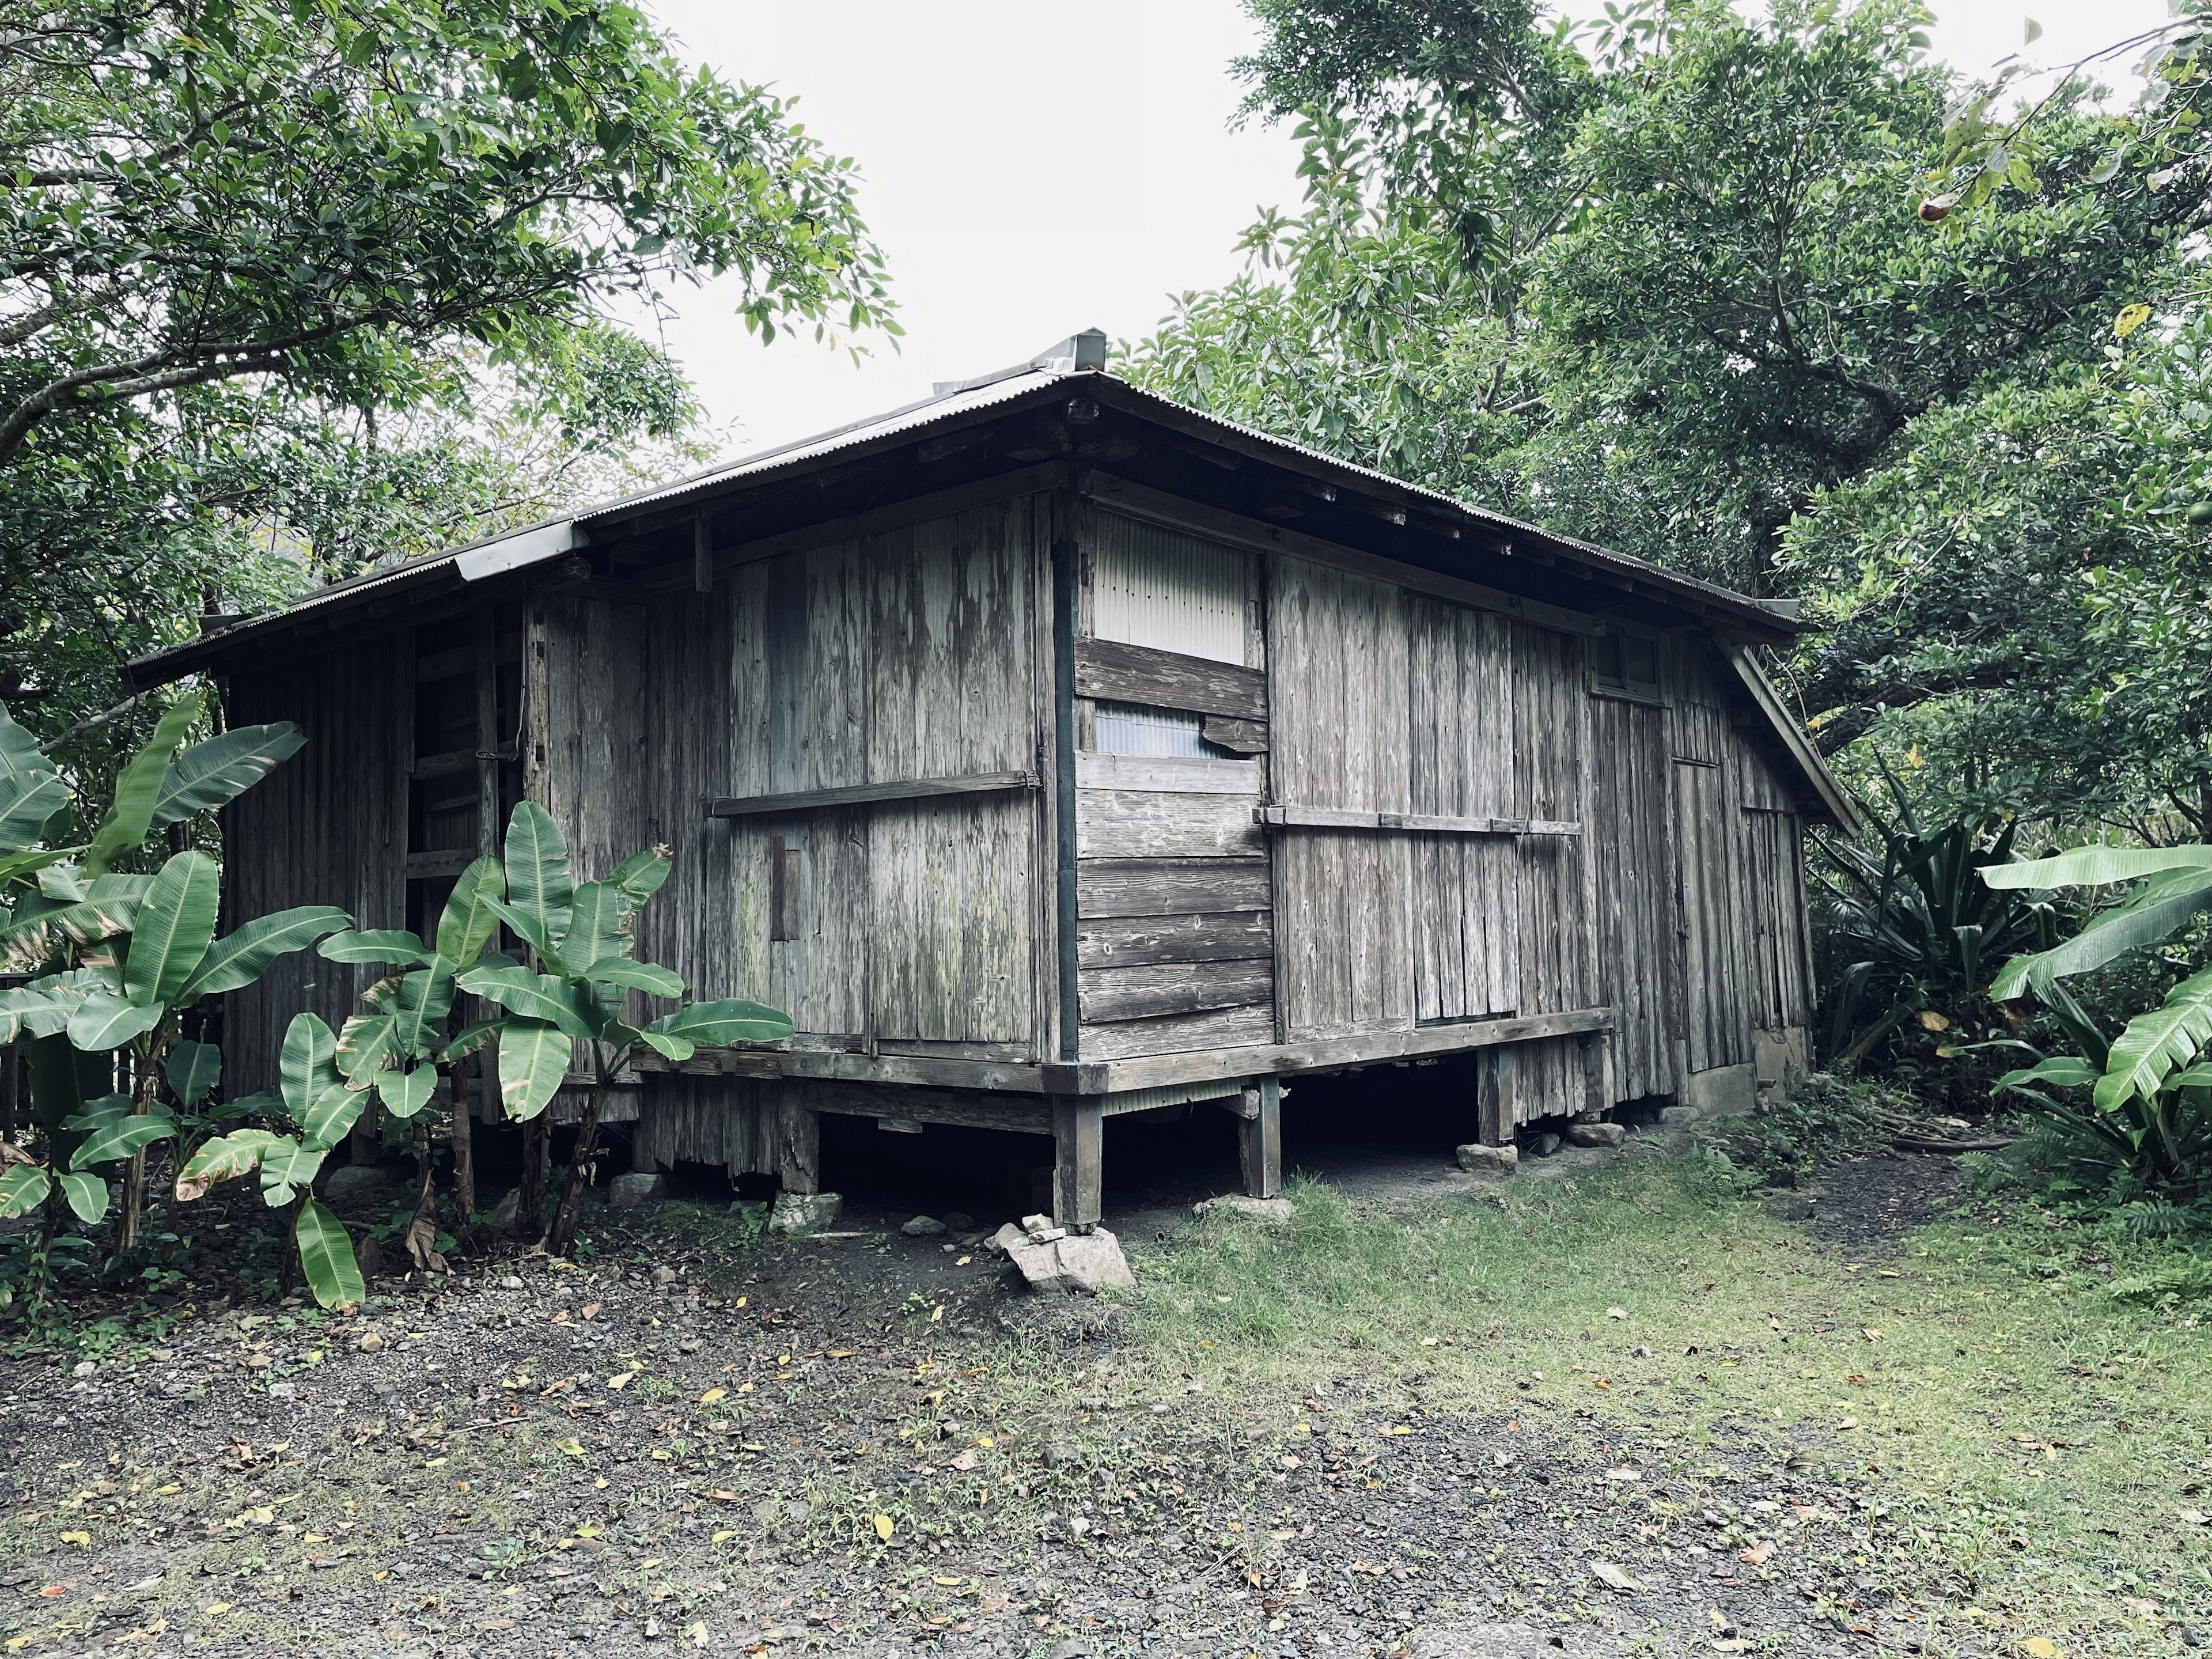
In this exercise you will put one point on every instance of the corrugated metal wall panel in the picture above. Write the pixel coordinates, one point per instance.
(1169, 591)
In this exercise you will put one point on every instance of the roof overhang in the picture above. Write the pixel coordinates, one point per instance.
(1795, 744)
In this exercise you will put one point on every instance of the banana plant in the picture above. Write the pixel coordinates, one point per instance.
(118, 957)
(396, 1051)
(315, 1095)
(576, 988)
(2177, 886)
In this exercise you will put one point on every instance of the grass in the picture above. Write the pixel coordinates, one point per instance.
(2039, 1436)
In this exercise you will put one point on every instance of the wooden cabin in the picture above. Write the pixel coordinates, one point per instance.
(1052, 752)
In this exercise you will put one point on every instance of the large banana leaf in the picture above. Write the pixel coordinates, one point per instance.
(236, 1154)
(23, 1188)
(212, 772)
(326, 1256)
(468, 923)
(119, 1135)
(87, 1195)
(731, 1020)
(529, 929)
(29, 1011)
(104, 1021)
(598, 927)
(285, 1167)
(540, 882)
(2157, 1044)
(307, 1065)
(131, 814)
(640, 874)
(367, 1044)
(41, 929)
(419, 1004)
(545, 997)
(175, 924)
(2094, 867)
(193, 1069)
(405, 1093)
(239, 958)
(331, 1118)
(2162, 903)
(393, 945)
(533, 1058)
(649, 977)
(31, 791)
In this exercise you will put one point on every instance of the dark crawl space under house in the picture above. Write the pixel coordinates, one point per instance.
(1052, 752)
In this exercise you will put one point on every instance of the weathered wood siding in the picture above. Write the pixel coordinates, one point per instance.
(1631, 849)
(907, 655)
(1176, 935)
(327, 827)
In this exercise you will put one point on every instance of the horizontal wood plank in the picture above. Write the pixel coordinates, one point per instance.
(1336, 1054)
(1146, 992)
(1171, 887)
(860, 795)
(1128, 824)
(1330, 818)
(1227, 731)
(1170, 774)
(1126, 941)
(1226, 1033)
(428, 866)
(1168, 679)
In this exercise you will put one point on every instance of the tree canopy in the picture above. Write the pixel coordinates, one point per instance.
(289, 285)
(1774, 298)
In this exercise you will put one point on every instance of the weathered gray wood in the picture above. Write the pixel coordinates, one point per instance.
(798, 1148)
(1173, 987)
(1014, 1114)
(898, 515)
(1127, 824)
(1260, 1140)
(1078, 1163)
(1129, 941)
(1172, 887)
(1167, 679)
(1338, 1054)
(855, 794)
(1143, 502)
(1170, 773)
(1214, 1031)
(1432, 824)
(1498, 1075)
(1245, 737)
(422, 866)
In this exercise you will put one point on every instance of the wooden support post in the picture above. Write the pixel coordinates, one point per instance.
(1079, 1137)
(1495, 1093)
(1260, 1139)
(1596, 1100)
(798, 1148)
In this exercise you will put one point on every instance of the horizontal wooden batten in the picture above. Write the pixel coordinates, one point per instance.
(1147, 992)
(451, 762)
(1181, 513)
(462, 660)
(1335, 1054)
(1168, 679)
(1245, 737)
(836, 1065)
(1171, 887)
(1330, 818)
(1133, 824)
(428, 867)
(1129, 941)
(861, 794)
(898, 515)
(1170, 774)
(1231, 1029)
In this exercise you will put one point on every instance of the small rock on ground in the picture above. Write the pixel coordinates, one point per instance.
(923, 1226)
(1596, 1134)
(1276, 1210)
(1479, 1159)
(803, 1212)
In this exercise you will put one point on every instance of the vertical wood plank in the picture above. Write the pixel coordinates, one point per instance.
(1260, 1139)
(1079, 1162)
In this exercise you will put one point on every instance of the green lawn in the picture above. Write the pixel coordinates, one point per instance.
(2044, 1441)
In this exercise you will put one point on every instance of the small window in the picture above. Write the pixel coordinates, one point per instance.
(1625, 662)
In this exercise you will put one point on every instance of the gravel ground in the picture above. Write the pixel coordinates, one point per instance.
(862, 1446)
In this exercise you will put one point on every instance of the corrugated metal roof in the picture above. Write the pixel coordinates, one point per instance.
(877, 428)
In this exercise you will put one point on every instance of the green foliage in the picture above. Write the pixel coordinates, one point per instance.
(1913, 935)
(1660, 283)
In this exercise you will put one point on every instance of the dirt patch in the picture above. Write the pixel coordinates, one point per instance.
(1863, 1206)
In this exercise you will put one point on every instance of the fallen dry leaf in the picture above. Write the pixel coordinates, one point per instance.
(1757, 1555)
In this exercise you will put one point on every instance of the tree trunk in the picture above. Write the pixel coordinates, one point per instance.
(287, 1265)
(464, 1138)
(563, 1235)
(531, 1197)
(130, 1213)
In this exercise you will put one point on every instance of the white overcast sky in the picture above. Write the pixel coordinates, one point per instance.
(1033, 168)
